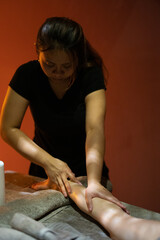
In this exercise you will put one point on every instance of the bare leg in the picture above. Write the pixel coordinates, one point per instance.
(119, 224)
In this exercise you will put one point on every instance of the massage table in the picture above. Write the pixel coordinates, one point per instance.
(51, 209)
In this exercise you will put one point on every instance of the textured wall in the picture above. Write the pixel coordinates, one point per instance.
(126, 34)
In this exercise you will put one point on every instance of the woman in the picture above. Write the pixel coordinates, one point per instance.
(66, 93)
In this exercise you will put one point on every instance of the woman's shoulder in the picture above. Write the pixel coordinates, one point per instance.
(30, 69)
(91, 70)
(92, 79)
(90, 73)
(30, 65)
(23, 79)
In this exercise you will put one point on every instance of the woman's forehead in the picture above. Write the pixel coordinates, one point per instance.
(57, 55)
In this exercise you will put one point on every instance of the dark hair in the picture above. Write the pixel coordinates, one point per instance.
(62, 32)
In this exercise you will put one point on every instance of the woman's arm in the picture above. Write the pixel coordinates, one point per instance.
(12, 114)
(95, 139)
(95, 145)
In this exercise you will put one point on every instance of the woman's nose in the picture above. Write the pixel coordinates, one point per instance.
(58, 70)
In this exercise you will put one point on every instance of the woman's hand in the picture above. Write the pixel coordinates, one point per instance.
(58, 174)
(97, 190)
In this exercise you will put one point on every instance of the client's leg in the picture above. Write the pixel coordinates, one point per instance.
(119, 224)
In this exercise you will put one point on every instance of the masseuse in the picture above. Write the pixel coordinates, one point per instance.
(65, 91)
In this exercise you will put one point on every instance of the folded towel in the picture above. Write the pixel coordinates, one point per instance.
(21, 198)
(12, 234)
(31, 227)
(57, 231)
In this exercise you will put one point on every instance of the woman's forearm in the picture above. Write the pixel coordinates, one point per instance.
(26, 147)
(57, 170)
(95, 144)
(12, 114)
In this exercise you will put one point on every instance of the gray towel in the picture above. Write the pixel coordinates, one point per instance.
(57, 231)
(31, 227)
(12, 234)
(21, 198)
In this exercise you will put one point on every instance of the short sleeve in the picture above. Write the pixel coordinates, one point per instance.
(92, 80)
(21, 81)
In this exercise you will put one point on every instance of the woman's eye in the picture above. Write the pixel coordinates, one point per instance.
(67, 66)
(49, 64)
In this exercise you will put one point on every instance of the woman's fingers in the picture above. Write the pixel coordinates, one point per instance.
(72, 177)
(97, 190)
(62, 186)
(89, 203)
(59, 173)
(121, 205)
(113, 199)
(66, 183)
(117, 202)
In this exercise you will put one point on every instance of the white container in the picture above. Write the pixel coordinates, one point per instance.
(2, 184)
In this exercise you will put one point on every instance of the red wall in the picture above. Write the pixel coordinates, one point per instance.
(126, 34)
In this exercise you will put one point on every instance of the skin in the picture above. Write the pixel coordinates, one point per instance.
(119, 224)
(60, 68)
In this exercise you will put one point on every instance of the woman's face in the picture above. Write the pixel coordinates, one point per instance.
(57, 64)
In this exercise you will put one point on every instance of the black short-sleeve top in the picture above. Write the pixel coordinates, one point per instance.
(59, 123)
